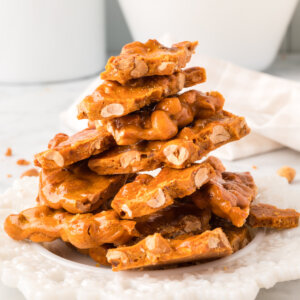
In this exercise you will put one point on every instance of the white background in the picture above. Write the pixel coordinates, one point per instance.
(118, 33)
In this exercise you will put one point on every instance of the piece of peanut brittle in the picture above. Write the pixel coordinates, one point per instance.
(111, 100)
(151, 58)
(147, 194)
(43, 224)
(189, 145)
(155, 250)
(229, 196)
(265, 215)
(65, 150)
(76, 188)
(164, 121)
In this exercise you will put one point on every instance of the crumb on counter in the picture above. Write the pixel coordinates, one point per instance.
(254, 167)
(31, 173)
(8, 152)
(23, 162)
(287, 172)
(9, 175)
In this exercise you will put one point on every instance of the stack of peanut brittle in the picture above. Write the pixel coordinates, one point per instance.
(92, 195)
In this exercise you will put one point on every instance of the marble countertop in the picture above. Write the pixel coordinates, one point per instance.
(29, 117)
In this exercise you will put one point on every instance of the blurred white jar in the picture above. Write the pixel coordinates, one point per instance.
(51, 40)
(246, 32)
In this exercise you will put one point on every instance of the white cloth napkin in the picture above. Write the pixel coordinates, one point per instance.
(270, 104)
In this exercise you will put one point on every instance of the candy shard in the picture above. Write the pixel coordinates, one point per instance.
(140, 60)
(155, 250)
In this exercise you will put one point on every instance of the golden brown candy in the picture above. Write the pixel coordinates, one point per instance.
(76, 188)
(229, 196)
(111, 99)
(151, 58)
(265, 215)
(163, 122)
(43, 224)
(147, 194)
(64, 150)
(188, 146)
(155, 250)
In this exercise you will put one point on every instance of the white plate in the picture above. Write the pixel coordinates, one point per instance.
(62, 273)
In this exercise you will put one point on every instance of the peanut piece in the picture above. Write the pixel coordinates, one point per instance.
(219, 135)
(114, 109)
(287, 172)
(200, 177)
(115, 256)
(129, 158)
(176, 155)
(140, 68)
(213, 242)
(55, 156)
(164, 65)
(125, 64)
(158, 200)
(181, 81)
(97, 144)
(156, 244)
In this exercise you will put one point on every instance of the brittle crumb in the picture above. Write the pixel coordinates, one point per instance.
(287, 172)
(9, 175)
(8, 152)
(31, 173)
(23, 162)
(254, 167)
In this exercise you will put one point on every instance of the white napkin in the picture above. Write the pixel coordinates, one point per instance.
(270, 104)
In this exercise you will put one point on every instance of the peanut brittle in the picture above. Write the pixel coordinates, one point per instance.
(147, 194)
(151, 58)
(179, 219)
(43, 224)
(111, 100)
(265, 215)
(156, 250)
(229, 196)
(188, 146)
(238, 237)
(76, 188)
(163, 122)
(65, 150)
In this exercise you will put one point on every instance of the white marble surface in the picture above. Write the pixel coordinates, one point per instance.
(29, 117)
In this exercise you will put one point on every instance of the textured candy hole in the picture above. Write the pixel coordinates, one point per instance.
(89, 230)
